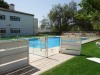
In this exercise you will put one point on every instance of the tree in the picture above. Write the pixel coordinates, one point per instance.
(66, 17)
(62, 16)
(55, 16)
(90, 5)
(83, 22)
(96, 20)
(44, 22)
(72, 8)
(4, 4)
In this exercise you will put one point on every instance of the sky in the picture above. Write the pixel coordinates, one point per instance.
(40, 8)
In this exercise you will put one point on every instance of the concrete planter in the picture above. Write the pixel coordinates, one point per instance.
(70, 45)
(13, 55)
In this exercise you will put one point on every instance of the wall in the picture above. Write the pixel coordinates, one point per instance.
(35, 26)
(70, 45)
(13, 55)
(25, 24)
(46, 29)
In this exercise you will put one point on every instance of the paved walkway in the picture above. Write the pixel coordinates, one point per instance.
(45, 64)
(90, 39)
(40, 64)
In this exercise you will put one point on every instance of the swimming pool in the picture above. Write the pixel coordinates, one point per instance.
(52, 42)
(84, 38)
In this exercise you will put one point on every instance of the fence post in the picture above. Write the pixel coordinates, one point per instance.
(46, 43)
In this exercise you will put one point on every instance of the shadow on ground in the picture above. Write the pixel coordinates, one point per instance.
(28, 70)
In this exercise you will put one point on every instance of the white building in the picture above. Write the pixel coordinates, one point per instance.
(47, 28)
(35, 27)
(14, 23)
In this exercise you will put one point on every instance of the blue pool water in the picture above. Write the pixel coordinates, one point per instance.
(84, 38)
(52, 42)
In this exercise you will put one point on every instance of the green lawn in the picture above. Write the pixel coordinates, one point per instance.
(79, 65)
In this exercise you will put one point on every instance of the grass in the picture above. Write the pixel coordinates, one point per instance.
(14, 37)
(79, 65)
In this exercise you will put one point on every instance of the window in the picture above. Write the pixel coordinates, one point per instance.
(2, 30)
(14, 18)
(14, 30)
(2, 17)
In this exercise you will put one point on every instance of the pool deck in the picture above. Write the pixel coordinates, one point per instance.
(43, 64)
(90, 39)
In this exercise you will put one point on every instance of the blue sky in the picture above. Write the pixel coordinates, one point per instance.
(39, 8)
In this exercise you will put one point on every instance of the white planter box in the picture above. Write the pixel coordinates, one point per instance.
(13, 55)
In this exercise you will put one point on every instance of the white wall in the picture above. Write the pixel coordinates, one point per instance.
(35, 26)
(25, 24)
(13, 55)
(46, 29)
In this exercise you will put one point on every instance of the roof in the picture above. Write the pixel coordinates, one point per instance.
(12, 4)
(13, 11)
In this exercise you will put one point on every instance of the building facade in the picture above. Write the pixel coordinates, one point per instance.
(47, 28)
(35, 27)
(14, 23)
